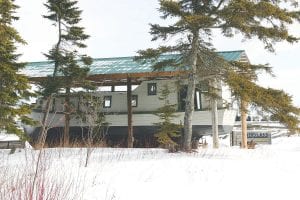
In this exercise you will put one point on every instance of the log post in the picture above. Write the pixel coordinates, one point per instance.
(244, 107)
(129, 114)
(214, 115)
(66, 136)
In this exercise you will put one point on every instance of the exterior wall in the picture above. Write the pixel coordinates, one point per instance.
(205, 102)
(206, 99)
(226, 95)
(146, 103)
(225, 117)
(116, 116)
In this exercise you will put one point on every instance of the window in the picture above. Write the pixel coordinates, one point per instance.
(107, 102)
(198, 105)
(152, 88)
(53, 105)
(134, 101)
(182, 97)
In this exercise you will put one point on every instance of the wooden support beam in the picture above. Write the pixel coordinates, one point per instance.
(121, 79)
(244, 108)
(214, 114)
(129, 115)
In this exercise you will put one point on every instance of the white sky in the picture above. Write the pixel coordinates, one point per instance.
(121, 27)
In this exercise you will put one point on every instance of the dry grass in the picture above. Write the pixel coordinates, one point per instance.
(33, 179)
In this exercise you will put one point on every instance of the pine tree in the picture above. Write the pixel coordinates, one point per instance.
(275, 102)
(168, 130)
(14, 87)
(67, 61)
(194, 21)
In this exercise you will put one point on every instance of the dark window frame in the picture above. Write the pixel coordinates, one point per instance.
(53, 105)
(182, 96)
(136, 100)
(110, 101)
(200, 100)
(149, 87)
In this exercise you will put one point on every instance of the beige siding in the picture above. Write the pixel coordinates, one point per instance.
(225, 117)
(146, 102)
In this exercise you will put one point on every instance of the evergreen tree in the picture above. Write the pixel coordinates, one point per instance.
(168, 130)
(13, 86)
(274, 102)
(68, 63)
(194, 21)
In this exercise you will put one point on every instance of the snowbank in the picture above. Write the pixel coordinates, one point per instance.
(8, 137)
(268, 172)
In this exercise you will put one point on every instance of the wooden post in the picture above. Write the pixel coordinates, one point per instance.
(214, 114)
(244, 107)
(66, 136)
(215, 124)
(129, 114)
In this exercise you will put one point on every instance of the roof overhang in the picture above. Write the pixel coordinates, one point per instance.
(121, 78)
(116, 71)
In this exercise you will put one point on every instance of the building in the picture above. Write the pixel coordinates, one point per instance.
(114, 77)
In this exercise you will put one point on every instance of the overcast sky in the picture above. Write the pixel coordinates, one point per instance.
(121, 27)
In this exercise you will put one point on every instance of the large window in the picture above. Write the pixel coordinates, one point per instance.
(182, 97)
(152, 89)
(107, 102)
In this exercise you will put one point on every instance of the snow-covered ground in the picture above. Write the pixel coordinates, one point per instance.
(267, 172)
(8, 137)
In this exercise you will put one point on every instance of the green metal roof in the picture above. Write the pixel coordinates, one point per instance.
(117, 65)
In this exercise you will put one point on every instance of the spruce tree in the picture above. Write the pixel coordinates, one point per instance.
(193, 22)
(279, 104)
(68, 62)
(168, 130)
(14, 87)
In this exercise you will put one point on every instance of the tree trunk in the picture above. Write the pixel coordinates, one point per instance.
(214, 116)
(43, 132)
(67, 118)
(244, 106)
(189, 104)
(129, 114)
(57, 48)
